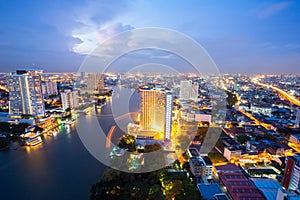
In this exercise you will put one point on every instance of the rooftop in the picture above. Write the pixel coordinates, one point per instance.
(228, 168)
(268, 187)
(208, 191)
(239, 187)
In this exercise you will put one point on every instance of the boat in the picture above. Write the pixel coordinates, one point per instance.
(33, 141)
(100, 102)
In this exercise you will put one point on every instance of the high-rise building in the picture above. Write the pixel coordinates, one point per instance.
(188, 90)
(148, 103)
(69, 99)
(95, 82)
(291, 179)
(49, 88)
(156, 111)
(168, 116)
(297, 123)
(25, 93)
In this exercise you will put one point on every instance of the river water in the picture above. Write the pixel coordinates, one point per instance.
(59, 168)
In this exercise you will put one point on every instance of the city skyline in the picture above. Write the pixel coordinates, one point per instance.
(173, 125)
(253, 37)
(136, 99)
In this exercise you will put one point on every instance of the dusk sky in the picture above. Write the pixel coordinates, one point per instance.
(241, 36)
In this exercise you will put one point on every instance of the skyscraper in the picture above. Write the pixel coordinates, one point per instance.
(188, 90)
(148, 103)
(291, 179)
(25, 93)
(156, 111)
(69, 99)
(95, 82)
(168, 116)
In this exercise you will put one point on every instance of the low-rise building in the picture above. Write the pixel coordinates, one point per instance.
(201, 167)
(236, 183)
(232, 152)
(268, 187)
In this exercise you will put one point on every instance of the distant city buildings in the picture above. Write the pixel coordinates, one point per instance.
(195, 116)
(69, 99)
(49, 88)
(25, 93)
(188, 90)
(94, 81)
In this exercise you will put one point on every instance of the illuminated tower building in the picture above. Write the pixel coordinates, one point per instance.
(148, 103)
(188, 90)
(156, 111)
(95, 82)
(291, 179)
(25, 93)
(168, 116)
(69, 99)
(297, 123)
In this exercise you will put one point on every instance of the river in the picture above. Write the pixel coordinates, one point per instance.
(59, 168)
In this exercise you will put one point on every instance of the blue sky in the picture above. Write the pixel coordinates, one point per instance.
(241, 36)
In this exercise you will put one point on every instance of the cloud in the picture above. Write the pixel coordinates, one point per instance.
(91, 36)
(273, 9)
(96, 23)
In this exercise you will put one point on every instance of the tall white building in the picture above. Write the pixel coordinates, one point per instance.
(168, 116)
(69, 99)
(25, 93)
(95, 82)
(188, 90)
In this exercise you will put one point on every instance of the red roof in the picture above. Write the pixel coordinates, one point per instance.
(239, 187)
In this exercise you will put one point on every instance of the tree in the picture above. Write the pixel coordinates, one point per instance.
(155, 185)
(151, 148)
(156, 193)
(171, 188)
(128, 142)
